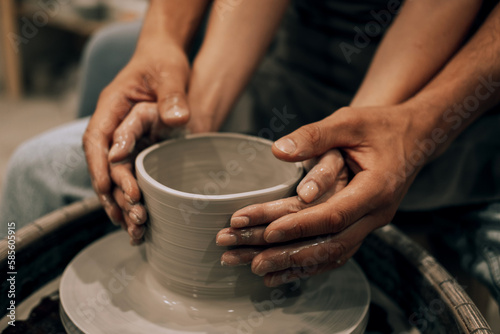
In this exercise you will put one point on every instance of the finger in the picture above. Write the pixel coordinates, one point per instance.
(337, 130)
(323, 177)
(316, 251)
(138, 122)
(110, 110)
(265, 213)
(240, 256)
(247, 236)
(135, 213)
(293, 274)
(126, 182)
(121, 174)
(112, 210)
(360, 197)
(171, 92)
(135, 230)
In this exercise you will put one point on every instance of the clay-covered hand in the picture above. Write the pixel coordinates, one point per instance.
(161, 77)
(142, 127)
(325, 225)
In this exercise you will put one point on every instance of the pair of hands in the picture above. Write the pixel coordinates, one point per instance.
(300, 236)
(144, 103)
(348, 193)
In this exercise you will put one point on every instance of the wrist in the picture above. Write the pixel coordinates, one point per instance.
(172, 21)
(213, 90)
(432, 128)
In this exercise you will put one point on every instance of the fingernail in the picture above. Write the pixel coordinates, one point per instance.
(239, 222)
(113, 152)
(230, 260)
(308, 191)
(285, 145)
(264, 267)
(175, 113)
(129, 199)
(106, 200)
(227, 239)
(135, 217)
(275, 236)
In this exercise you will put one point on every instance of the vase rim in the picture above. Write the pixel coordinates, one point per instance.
(141, 171)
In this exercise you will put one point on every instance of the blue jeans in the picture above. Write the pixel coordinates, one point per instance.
(475, 235)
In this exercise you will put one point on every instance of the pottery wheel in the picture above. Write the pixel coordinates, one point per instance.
(108, 288)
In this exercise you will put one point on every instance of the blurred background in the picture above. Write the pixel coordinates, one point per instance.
(40, 50)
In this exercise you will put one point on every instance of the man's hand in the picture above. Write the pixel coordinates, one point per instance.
(325, 227)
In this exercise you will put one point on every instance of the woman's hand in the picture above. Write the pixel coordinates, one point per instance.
(160, 76)
(326, 224)
(142, 127)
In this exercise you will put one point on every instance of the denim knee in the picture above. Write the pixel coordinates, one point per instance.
(45, 173)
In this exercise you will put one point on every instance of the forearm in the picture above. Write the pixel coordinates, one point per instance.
(176, 20)
(421, 39)
(467, 86)
(235, 41)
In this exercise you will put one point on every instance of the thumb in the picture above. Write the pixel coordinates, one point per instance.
(314, 139)
(172, 102)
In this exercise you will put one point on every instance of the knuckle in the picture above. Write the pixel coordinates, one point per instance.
(173, 96)
(296, 206)
(387, 194)
(339, 219)
(312, 133)
(385, 217)
(325, 175)
(293, 259)
(257, 210)
(335, 249)
(334, 157)
(301, 230)
(142, 108)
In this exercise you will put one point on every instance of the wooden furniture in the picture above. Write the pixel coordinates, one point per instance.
(63, 16)
(8, 21)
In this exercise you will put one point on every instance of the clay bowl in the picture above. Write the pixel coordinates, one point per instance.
(191, 187)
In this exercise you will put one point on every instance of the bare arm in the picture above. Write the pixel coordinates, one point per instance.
(421, 39)
(466, 87)
(236, 39)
